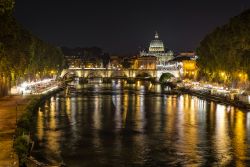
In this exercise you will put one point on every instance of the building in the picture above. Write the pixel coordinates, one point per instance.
(147, 62)
(84, 57)
(189, 53)
(158, 50)
(186, 62)
(115, 62)
(189, 68)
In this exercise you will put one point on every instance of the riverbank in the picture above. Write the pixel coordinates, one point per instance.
(215, 98)
(23, 143)
(11, 107)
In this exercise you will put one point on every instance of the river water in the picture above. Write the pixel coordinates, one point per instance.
(119, 125)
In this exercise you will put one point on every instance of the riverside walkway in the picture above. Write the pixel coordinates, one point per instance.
(11, 107)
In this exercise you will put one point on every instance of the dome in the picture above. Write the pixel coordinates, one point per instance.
(156, 45)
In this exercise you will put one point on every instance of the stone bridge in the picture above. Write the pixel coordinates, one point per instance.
(115, 73)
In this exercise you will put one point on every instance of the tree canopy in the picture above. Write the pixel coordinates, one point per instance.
(165, 77)
(6, 6)
(23, 55)
(224, 54)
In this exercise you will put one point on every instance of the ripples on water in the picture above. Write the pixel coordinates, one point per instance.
(111, 125)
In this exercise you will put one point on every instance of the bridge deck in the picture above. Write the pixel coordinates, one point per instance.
(114, 73)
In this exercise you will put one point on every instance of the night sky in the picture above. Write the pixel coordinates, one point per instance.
(125, 26)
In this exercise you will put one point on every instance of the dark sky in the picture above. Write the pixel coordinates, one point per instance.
(123, 26)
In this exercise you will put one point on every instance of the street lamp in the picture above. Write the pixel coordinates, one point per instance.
(52, 71)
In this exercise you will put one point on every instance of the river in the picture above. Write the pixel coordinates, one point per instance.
(120, 125)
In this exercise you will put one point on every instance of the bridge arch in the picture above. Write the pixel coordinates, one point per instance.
(165, 77)
(67, 73)
(175, 73)
(131, 73)
(143, 74)
(95, 74)
(118, 74)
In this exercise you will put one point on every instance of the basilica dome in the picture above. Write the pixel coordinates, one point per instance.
(156, 45)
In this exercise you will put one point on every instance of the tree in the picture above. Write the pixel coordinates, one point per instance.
(225, 53)
(165, 77)
(6, 6)
(23, 55)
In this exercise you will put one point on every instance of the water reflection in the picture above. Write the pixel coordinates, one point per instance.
(239, 139)
(40, 125)
(137, 126)
(222, 141)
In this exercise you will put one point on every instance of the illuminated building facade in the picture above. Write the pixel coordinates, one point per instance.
(189, 68)
(186, 63)
(147, 62)
(157, 49)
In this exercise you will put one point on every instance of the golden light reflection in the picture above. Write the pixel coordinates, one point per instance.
(174, 102)
(97, 114)
(40, 125)
(68, 106)
(46, 109)
(52, 110)
(231, 117)
(193, 112)
(157, 112)
(73, 106)
(80, 105)
(181, 102)
(211, 113)
(139, 112)
(222, 140)
(180, 113)
(201, 109)
(186, 102)
(140, 86)
(170, 116)
(158, 88)
(189, 140)
(53, 145)
(73, 111)
(125, 110)
(150, 86)
(117, 101)
(52, 135)
(97, 122)
(239, 144)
